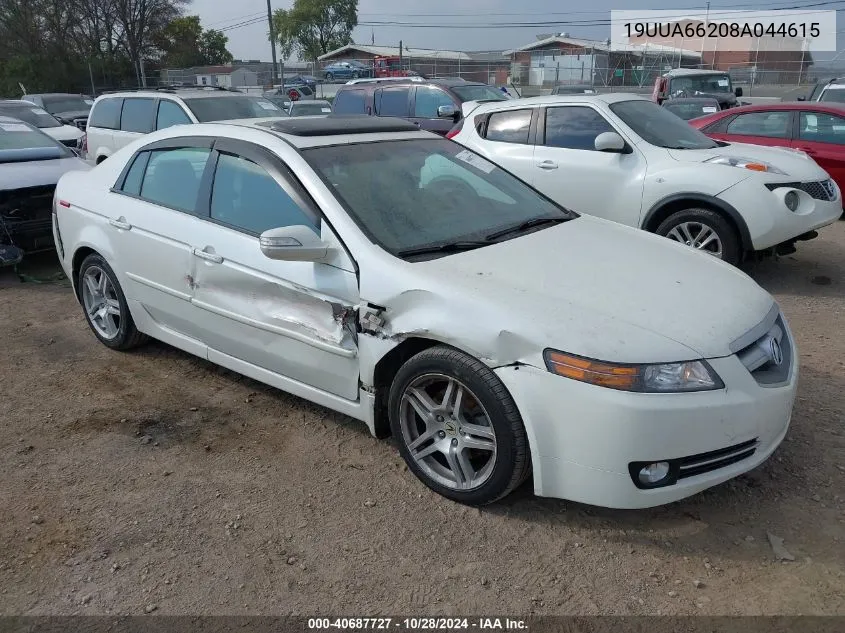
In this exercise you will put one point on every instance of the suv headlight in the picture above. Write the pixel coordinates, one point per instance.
(695, 375)
(745, 163)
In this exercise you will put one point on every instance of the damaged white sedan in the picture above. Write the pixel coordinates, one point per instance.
(403, 280)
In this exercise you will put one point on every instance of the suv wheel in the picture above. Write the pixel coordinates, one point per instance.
(355, 75)
(704, 230)
(329, 77)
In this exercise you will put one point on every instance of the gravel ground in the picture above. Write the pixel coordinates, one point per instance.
(153, 481)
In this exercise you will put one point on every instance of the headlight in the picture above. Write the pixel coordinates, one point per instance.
(694, 375)
(745, 163)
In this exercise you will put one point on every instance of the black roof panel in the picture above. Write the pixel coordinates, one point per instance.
(340, 124)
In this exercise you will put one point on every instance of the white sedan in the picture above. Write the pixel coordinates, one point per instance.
(626, 159)
(396, 277)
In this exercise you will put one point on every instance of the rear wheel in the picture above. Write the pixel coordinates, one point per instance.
(355, 75)
(329, 77)
(705, 230)
(457, 427)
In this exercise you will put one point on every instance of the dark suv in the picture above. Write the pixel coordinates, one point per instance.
(434, 105)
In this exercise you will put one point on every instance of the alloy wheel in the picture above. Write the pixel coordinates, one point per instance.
(697, 235)
(99, 298)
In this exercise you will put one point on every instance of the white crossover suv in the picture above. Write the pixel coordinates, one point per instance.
(626, 159)
(401, 279)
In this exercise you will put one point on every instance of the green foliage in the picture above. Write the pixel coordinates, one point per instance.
(314, 27)
(213, 48)
(183, 44)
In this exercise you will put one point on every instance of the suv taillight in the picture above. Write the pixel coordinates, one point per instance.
(456, 129)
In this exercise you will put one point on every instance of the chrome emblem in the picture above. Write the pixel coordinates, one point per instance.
(451, 429)
(775, 351)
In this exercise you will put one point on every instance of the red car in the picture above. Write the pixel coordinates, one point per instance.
(816, 128)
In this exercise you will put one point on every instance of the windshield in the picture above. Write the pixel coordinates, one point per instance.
(54, 105)
(707, 84)
(689, 111)
(417, 193)
(659, 127)
(16, 138)
(29, 113)
(478, 93)
(308, 109)
(835, 95)
(232, 107)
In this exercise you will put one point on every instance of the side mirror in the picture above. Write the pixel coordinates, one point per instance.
(610, 142)
(738, 92)
(294, 244)
(801, 98)
(447, 111)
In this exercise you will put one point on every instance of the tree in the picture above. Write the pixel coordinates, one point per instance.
(315, 27)
(213, 48)
(138, 23)
(183, 44)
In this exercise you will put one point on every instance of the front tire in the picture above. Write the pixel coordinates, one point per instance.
(104, 305)
(705, 230)
(457, 427)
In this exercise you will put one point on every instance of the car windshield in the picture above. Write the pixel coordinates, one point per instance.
(700, 83)
(689, 111)
(231, 107)
(837, 95)
(659, 127)
(478, 92)
(54, 105)
(308, 109)
(29, 113)
(413, 194)
(19, 140)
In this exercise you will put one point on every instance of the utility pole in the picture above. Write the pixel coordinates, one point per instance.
(91, 75)
(401, 65)
(275, 75)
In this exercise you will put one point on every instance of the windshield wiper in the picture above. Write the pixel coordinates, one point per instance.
(528, 224)
(448, 247)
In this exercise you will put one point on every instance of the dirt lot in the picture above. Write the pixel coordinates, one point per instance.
(154, 481)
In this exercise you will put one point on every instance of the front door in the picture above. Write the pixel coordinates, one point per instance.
(822, 136)
(569, 170)
(768, 127)
(427, 100)
(294, 319)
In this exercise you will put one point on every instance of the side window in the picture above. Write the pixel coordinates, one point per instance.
(819, 127)
(350, 102)
(511, 126)
(137, 115)
(428, 100)
(771, 124)
(247, 198)
(574, 127)
(170, 113)
(173, 177)
(106, 114)
(135, 175)
(392, 102)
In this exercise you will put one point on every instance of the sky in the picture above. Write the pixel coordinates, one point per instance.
(249, 41)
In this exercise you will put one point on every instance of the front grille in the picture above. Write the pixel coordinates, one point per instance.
(81, 123)
(707, 462)
(769, 357)
(820, 190)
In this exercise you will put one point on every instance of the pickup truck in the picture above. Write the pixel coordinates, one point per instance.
(689, 82)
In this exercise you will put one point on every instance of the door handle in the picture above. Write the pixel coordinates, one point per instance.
(209, 257)
(120, 223)
(547, 164)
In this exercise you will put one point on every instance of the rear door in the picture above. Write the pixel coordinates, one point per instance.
(137, 117)
(351, 102)
(822, 136)
(766, 127)
(102, 123)
(393, 101)
(169, 113)
(426, 101)
(507, 138)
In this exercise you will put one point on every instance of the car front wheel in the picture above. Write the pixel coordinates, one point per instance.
(105, 305)
(457, 427)
(705, 230)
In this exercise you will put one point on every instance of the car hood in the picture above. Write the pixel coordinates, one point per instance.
(588, 287)
(797, 165)
(63, 133)
(37, 172)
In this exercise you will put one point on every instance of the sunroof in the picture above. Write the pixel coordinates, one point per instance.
(340, 124)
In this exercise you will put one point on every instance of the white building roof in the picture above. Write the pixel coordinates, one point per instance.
(604, 46)
(408, 51)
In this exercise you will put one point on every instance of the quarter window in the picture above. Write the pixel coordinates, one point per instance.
(106, 114)
(509, 127)
(247, 198)
(170, 113)
(350, 102)
(770, 124)
(135, 176)
(574, 127)
(173, 177)
(428, 100)
(392, 102)
(137, 115)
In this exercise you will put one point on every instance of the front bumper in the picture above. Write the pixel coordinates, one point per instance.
(768, 219)
(583, 438)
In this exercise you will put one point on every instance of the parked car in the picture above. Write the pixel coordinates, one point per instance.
(817, 129)
(434, 105)
(302, 80)
(829, 90)
(410, 283)
(346, 70)
(31, 163)
(692, 82)
(573, 90)
(691, 108)
(69, 109)
(292, 93)
(119, 118)
(626, 159)
(317, 107)
(68, 135)
(281, 101)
